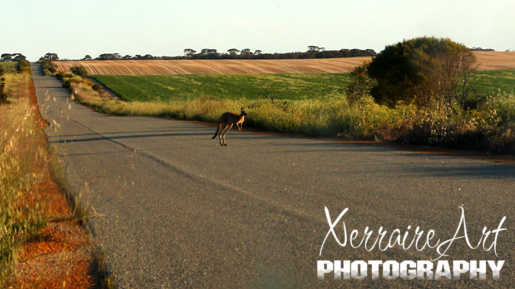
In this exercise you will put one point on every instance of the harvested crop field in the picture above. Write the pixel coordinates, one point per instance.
(495, 60)
(279, 66)
(487, 61)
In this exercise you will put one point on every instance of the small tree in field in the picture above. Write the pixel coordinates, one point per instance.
(429, 72)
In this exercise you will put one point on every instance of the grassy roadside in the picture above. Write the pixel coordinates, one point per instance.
(21, 214)
(490, 129)
(313, 111)
(8, 67)
(42, 243)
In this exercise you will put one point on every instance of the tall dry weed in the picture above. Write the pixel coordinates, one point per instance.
(21, 154)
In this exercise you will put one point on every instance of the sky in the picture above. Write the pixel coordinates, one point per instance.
(75, 28)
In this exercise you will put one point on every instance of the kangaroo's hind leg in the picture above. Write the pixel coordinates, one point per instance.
(221, 134)
(227, 128)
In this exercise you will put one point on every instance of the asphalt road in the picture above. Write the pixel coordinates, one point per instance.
(176, 210)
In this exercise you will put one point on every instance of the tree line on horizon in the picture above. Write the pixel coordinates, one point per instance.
(22, 64)
(312, 52)
(233, 53)
(12, 57)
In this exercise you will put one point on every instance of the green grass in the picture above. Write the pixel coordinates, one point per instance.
(317, 106)
(7, 66)
(162, 88)
(158, 88)
(494, 81)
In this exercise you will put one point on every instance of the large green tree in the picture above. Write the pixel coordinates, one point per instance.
(431, 72)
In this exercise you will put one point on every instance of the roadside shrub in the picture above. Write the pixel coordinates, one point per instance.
(67, 81)
(430, 129)
(502, 106)
(429, 72)
(501, 140)
(23, 66)
(479, 131)
(3, 94)
(49, 68)
(52, 69)
(96, 87)
(361, 84)
(79, 70)
(61, 75)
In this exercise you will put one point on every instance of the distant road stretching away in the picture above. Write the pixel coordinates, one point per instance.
(174, 209)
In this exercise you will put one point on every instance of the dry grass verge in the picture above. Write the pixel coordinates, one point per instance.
(42, 244)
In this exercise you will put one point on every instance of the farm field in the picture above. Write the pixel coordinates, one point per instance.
(316, 106)
(276, 66)
(156, 81)
(487, 61)
(251, 87)
(494, 81)
(157, 88)
(495, 60)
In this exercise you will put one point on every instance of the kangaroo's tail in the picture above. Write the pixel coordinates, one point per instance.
(217, 131)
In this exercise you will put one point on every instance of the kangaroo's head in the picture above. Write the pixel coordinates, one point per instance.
(243, 111)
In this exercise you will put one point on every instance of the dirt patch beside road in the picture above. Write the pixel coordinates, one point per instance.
(61, 255)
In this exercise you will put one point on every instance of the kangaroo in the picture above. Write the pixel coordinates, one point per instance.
(227, 120)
